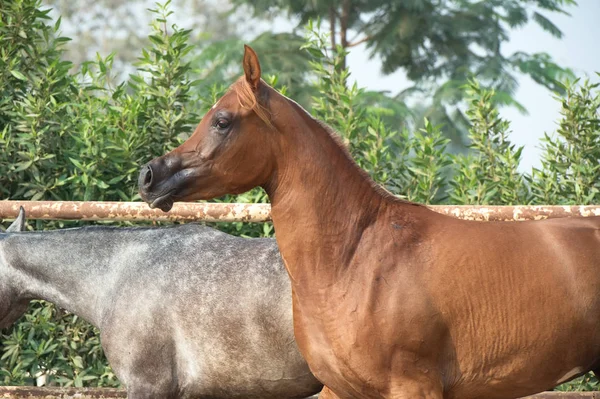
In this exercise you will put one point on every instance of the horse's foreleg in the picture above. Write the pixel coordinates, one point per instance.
(326, 393)
(420, 388)
(407, 389)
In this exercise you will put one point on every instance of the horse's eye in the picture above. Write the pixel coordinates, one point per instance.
(223, 123)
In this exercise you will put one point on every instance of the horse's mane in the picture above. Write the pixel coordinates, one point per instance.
(337, 138)
(247, 99)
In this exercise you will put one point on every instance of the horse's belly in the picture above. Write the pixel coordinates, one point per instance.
(514, 373)
(371, 352)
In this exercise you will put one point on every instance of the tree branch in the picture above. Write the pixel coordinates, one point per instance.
(344, 22)
(361, 41)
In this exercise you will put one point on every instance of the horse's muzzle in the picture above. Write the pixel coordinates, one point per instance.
(154, 183)
(145, 178)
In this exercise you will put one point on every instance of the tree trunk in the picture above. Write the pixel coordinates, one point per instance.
(332, 26)
(344, 28)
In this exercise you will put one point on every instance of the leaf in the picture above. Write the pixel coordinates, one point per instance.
(38, 196)
(22, 166)
(116, 179)
(157, 40)
(77, 361)
(18, 75)
(547, 25)
(77, 163)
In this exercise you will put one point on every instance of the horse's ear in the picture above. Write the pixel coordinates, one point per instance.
(251, 67)
(19, 223)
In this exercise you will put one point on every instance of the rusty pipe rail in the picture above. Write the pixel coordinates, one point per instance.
(516, 213)
(108, 393)
(229, 212)
(135, 211)
(61, 393)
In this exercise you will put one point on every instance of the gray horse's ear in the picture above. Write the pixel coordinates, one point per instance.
(19, 223)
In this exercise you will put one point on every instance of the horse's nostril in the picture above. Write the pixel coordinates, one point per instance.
(147, 176)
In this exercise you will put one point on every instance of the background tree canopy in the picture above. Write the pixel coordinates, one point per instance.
(80, 132)
(440, 45)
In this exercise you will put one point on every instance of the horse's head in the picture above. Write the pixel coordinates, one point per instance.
(230, 152)
(11, 307)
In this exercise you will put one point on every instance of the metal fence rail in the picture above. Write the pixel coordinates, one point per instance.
(107, 393)
(60, 393)
(228, 212)
(135, 211)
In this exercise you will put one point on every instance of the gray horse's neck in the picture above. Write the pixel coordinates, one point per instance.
(64, 267)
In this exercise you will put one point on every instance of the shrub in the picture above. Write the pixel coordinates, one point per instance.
(570, 171)
(488, 173)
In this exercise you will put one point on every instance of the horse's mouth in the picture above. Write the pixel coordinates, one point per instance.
(164, 202)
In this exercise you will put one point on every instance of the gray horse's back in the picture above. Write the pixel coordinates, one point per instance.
(210, 313)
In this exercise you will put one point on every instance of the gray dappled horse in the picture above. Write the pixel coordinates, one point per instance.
(183, 312)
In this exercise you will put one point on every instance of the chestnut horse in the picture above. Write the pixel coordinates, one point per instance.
(390, 299)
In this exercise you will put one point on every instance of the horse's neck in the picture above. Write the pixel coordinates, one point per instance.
(321, 204)
(61, 267)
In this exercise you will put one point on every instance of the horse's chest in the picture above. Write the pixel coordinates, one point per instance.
(331, 353)
(351, 336)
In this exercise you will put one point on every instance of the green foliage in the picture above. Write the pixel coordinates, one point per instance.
(219, 62)
(35, 86)
(570, 171)
(386, 154)
(488, 173)
(167, 90)
(57, 347)
(427, 167)
(337, 104)
(439, 45)
(78, 137)
(588, 382)
(77, 134)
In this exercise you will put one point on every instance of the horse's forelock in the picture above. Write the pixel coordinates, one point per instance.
(247, 99)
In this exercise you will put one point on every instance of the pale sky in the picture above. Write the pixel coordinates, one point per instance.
(579, 49)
